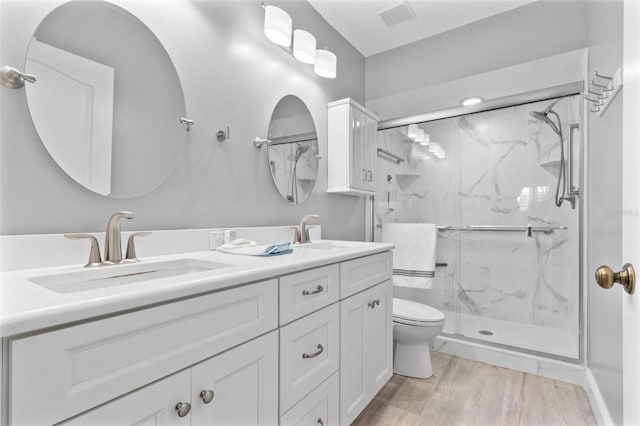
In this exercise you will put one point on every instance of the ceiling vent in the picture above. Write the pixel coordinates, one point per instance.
(394, 15)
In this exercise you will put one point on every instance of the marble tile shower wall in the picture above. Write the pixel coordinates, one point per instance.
(500, 168)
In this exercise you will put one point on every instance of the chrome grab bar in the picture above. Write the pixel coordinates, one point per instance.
(382, 153)
(501, 228)
(573, 191)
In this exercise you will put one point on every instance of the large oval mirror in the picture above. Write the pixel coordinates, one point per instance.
(293, 149)
(108, 100)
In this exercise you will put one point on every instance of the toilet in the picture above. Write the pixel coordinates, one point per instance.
(414, 326)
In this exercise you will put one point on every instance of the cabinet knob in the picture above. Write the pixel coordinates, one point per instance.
(319, 421)
(372, 304)
(183, 408)
(207, 396)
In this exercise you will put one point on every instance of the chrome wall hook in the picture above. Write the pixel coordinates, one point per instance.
(13, 79)
(599, 86)
(187, 123)
(602, 76)
(223, 135)
(258, 142)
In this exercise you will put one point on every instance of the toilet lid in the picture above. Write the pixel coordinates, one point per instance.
(414, 311)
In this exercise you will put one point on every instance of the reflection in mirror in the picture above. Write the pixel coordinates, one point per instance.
(293, 149)
(108, 99)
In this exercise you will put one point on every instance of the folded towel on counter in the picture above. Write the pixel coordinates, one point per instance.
(239, 243)
(414, 257)
(259, 250)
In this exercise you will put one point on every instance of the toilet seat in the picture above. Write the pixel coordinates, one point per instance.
(414, 313)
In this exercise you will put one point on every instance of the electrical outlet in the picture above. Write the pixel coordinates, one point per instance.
(216, 239)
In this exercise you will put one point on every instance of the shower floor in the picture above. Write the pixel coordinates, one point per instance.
(554, 341)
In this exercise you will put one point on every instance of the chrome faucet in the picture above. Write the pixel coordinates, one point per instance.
(302, 232)
(112, 244)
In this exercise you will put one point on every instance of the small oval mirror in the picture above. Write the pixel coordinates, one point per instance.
(293, 149)
(108, 99)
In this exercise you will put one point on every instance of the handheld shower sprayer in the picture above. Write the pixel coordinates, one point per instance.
(557, 128)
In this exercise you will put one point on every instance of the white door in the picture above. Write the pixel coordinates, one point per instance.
(238, 387)
(72, 109)
(631, 209)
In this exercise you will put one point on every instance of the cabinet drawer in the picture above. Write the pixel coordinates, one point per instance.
(359, 274)
(309, 354)
(320, 407)
(308, 291)
(91, 363)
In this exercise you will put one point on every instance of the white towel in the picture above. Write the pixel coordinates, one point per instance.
(414, 258)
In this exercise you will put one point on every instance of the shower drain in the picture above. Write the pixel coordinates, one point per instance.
(486, 332)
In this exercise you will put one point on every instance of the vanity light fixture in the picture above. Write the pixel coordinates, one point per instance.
(471, 100)
(304, 46)
(278, 27)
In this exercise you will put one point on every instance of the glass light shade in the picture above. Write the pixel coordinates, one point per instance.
(471, 100)
(425, 140)
(419, 136)
(304, 46)
(434, 147)
(277, 25)
(412, 131)
(325, 65)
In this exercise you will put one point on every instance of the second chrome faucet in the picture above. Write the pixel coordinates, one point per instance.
(112, 242)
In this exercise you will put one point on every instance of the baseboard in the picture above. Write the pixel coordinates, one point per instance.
(595, 399)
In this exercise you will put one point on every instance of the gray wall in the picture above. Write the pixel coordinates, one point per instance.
(604, 207)
(539, 29)
(231, 74)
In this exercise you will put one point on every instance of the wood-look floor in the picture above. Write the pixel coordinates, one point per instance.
(465, 392)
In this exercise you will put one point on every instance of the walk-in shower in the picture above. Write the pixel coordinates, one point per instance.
(508, 259)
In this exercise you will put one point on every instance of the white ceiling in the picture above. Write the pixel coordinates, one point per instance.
(359, 23)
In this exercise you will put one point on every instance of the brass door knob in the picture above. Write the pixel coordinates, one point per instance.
(627, 277)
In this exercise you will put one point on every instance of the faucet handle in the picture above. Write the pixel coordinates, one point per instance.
(131, 249)
(94, 255)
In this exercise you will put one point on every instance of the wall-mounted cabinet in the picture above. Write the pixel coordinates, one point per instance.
(351, 148)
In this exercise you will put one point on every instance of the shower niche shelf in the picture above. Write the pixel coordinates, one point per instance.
(406, 179)
(549, 163)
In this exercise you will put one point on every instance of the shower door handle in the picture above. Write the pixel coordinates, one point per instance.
(627, 277)
(573, 191)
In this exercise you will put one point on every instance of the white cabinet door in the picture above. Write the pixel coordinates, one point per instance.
(359, 164)
(352, 354)
(366, 343)
(244, 382)
(151, 405)
(379, 338)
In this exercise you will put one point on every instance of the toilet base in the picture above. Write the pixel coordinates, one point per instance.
(412, 360)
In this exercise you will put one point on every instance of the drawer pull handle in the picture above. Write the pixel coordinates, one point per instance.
(315, 354)
(207, 396)
(320, 289)
(319, 421)
(183, 408)
(373, 303)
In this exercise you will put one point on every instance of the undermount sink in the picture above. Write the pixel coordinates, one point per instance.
(127, 273)
(331, 245)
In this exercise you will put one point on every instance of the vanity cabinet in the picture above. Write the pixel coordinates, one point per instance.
(310, 347)
(352, 149)
(366, 362)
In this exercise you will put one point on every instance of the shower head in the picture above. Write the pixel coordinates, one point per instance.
(301, 150)
(544, 115)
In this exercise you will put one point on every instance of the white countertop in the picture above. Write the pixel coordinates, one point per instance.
(28, 307)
